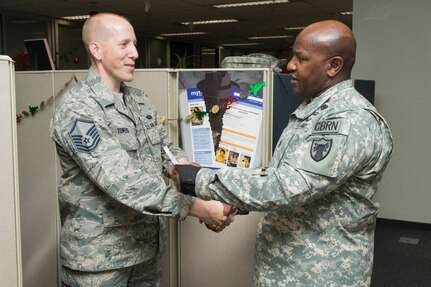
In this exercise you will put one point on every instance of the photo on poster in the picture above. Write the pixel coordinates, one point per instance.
(221, 114)
(221, 155)
(232, 159)
(195, 120)
(244, 161)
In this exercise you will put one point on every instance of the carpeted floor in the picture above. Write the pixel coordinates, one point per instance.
(398, 264)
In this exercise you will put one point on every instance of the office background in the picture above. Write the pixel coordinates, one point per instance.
(394, 50)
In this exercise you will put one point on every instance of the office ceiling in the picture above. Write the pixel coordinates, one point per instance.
(156, 17)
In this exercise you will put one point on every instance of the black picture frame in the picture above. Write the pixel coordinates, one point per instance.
(39, 54)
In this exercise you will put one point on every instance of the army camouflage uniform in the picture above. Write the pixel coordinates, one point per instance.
(112, 196)
(319, 220)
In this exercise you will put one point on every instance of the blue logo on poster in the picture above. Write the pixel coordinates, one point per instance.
(194, 94)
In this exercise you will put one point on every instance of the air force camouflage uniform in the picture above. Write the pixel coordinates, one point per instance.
(318, 229)
(112, 192)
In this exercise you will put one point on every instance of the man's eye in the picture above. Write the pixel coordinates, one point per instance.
(300, 58)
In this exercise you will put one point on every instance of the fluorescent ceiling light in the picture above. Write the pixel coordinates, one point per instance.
(182, 34)
(268, 2)
(241, 44)
(346, 13)
(210, 22)
(78, 17)
(294, 28)
(270, 37)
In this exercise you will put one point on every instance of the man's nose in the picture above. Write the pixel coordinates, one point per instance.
(291, 66)
(133, 53)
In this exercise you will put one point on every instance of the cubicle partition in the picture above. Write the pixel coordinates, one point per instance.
(10, 248)
(39, 171)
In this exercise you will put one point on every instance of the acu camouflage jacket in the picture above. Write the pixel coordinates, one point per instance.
(317, 193)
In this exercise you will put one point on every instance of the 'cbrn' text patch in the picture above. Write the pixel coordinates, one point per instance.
(328, 126)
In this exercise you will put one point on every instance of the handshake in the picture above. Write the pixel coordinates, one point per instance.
(216, 215)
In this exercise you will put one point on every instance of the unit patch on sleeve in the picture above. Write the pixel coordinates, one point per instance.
(324, 148)
(85, 136)
(320, 149)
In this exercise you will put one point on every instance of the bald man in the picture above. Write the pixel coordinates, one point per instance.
(317, 192)
(112, 195)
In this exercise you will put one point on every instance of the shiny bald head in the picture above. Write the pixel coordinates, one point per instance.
(333, 38)
(323, 55)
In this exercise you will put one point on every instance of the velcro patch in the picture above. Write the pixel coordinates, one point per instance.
(320, 149)
(328, 126)
(122, 130)
(85, 136)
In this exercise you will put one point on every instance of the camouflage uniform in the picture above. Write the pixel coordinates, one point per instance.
(112, 192)
(319, 220)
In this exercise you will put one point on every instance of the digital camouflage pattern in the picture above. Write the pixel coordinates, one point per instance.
(112, 190)
(146, 274)
(254, 60)
(319, 220)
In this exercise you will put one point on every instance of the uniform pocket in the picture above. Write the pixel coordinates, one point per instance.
(129, 143)
(154, 136)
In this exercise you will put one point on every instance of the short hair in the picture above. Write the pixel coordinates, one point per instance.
(95, 22)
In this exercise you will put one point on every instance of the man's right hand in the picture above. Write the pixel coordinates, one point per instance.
(214, 214)
(230, 212)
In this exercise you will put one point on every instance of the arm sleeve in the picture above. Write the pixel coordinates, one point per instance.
(295, 178)
(115, 172)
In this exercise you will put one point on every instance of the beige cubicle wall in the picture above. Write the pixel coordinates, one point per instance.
(39, 170)
(159, 84)
(10, 249)
(39, 173)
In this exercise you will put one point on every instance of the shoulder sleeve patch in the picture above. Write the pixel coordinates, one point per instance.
(320, 149)
(323, 154)
(85, 136)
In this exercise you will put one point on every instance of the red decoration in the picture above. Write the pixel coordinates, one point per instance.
(22, 61)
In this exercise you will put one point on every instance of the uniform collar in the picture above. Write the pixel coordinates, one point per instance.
(305, 110)
(104, 95)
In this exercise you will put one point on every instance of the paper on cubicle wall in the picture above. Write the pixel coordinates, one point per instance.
(230, 137)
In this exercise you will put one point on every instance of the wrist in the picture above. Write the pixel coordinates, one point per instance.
(187, 176)
(183, 160)
(198, 209)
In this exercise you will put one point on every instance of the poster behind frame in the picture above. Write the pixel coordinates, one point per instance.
(221, 127)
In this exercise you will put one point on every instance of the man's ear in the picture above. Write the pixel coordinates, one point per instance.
(335, 66)
(95, 50)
